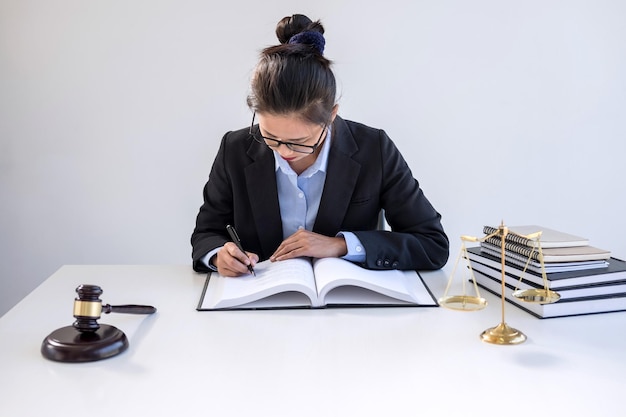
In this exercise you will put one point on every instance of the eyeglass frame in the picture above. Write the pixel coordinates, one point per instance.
(258, 137)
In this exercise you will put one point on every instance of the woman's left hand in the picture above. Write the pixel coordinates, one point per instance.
(307, 243)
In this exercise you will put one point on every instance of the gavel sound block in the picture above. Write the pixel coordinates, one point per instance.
(86, 340)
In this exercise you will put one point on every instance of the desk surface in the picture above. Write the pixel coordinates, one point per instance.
(334, 362)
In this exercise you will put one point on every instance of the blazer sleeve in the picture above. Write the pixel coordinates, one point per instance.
(216, 210)
(417, 239)
(241, 190)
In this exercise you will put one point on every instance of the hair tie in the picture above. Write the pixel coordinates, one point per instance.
(311, 38)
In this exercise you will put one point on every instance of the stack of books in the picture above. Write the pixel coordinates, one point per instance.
(588, 279)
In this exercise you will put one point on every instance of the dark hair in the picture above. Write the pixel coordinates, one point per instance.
(294, 77)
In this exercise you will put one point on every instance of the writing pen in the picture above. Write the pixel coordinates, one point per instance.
(235, 237)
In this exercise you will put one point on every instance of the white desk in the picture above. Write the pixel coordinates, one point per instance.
(340, 362)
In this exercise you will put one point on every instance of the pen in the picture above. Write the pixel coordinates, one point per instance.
(235, 237)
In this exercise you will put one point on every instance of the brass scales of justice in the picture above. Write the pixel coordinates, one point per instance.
(502, 334)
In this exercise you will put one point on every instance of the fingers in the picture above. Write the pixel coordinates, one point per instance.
(287, 250)
(307, 243)
(231, 262)
(292, 247)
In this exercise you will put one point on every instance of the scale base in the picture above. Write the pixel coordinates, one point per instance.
(70, 345)
(503, 334)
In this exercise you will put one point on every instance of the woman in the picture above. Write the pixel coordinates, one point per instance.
(305, 182)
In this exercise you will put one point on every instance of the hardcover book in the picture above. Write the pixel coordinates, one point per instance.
(318, 283)
(534, 265)
(565, 254)
(569, 307)
(574, 291)
(615, 271)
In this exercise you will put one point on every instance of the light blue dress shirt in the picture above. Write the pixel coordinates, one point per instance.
(299, 199)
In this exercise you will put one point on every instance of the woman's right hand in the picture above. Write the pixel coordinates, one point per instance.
(231, 262)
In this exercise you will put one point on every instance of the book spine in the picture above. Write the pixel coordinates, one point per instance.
(513, 261)
(512, 275)
(510, 237)
(526, 251)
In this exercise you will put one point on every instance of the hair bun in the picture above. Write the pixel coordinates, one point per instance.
(292, 25)
(311, 38)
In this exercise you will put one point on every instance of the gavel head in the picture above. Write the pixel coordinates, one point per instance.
(87, 308)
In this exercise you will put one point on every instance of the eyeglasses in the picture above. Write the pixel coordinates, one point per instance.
(275, 143)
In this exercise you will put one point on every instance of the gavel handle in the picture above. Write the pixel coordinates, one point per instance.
(128, 309)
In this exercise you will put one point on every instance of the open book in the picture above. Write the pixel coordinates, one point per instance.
(302, 283)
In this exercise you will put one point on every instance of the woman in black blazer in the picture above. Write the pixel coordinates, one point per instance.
(305, 182)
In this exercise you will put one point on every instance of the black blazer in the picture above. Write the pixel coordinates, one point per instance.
(365, 173)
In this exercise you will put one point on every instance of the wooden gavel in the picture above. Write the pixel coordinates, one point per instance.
(86, 340)
(88, 308)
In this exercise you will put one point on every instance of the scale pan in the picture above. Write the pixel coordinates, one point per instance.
(539, 296)
(463, 302)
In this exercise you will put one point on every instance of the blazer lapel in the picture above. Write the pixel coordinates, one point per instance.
(263, 197)
(341, 176)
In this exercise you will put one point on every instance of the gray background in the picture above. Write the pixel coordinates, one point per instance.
(111, 113)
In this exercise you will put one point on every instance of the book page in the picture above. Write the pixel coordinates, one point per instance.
(399, 287)
(350, 295)
(271, 278)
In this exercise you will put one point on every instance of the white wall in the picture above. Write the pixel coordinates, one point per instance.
(111, 112)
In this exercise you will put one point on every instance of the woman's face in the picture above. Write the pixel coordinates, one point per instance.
(293, 129)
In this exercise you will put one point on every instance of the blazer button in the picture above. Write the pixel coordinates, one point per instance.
(386, 263)
(379, 262)
(395, 265)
